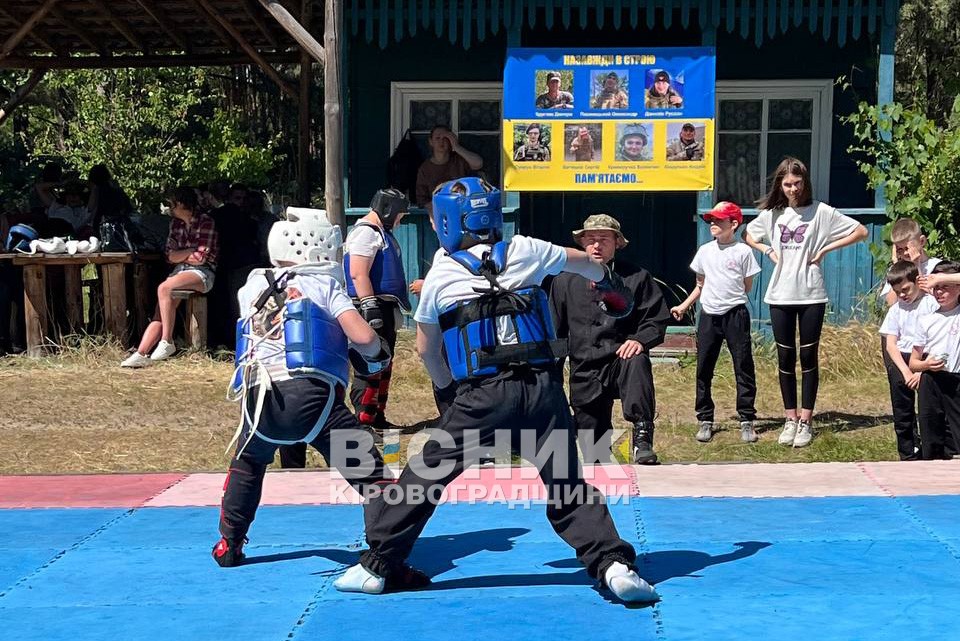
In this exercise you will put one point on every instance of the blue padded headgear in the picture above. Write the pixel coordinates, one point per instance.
(467, 208)
(19, 237)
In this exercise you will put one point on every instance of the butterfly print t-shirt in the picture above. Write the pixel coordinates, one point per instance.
(797, 235)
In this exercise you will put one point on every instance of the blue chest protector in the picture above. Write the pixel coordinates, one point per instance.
(470, 329)
(386, 273)
(313, 341)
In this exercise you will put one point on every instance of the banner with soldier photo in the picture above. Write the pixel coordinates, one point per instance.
(630, 119)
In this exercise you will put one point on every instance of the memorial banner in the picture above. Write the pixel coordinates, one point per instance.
(628, 119)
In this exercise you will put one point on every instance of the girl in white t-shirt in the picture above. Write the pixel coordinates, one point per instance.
(936, 354)
(796, 232)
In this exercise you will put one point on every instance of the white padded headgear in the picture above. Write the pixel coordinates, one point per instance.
(306, 236)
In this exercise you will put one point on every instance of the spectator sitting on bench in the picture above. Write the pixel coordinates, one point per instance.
(192, 246)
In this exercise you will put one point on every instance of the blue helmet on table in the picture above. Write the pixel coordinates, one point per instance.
(19, 237)
(467, 209)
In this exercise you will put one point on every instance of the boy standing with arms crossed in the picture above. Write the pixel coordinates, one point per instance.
(936, 354)
(899, 329)
(731, 267)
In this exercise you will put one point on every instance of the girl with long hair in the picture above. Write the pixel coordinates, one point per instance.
(795, 232)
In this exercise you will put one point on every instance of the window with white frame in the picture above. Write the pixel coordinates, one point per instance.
(470, 109)
(760, 122)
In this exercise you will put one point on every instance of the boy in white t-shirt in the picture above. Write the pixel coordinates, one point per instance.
(725, 269)
(909, 243)
(899, 329)
(936, 354)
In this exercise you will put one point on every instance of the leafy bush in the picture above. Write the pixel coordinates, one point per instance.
(225, 152)
(916, 164)
(153, 128)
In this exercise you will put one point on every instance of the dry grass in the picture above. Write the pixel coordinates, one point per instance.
(80, 412)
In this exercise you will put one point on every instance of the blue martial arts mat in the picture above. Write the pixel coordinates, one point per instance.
(812, 569)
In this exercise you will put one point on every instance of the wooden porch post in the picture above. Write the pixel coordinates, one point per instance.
(708, 38)
(333, 115)
(888, 43)
(329, 56)
(303, 143)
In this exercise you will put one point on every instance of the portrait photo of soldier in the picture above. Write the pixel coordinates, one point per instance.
(610, 89)
(582, 142)
(550, 93)
(685, 143)
(634, 142)
(662, 92)
(531, 142)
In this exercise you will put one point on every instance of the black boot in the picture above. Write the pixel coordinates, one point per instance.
(229, 553)
(643, 453)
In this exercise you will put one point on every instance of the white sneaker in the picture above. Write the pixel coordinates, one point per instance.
(359, 579)
(163, 350)
(748, 434)
(627, 585)
(705, 433)
(136, 360)
(804, 435)
(789, 432)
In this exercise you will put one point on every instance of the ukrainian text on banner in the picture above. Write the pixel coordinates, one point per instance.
(627, 119)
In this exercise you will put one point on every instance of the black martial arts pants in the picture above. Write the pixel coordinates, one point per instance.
(630, 380)
(712, 330)
(290, 411)
(531, 405)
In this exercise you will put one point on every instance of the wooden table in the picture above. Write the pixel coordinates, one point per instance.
(112, 272)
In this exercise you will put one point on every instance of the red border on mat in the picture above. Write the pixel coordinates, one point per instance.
(93, 490)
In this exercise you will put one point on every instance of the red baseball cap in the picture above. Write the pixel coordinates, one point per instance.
(724, 210)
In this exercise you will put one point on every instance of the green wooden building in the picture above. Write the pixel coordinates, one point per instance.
(410, 64)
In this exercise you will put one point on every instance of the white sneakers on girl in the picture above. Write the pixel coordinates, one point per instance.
(627, 585)
(136, 360)
(789, 432)
(804, 435)
(163, 350)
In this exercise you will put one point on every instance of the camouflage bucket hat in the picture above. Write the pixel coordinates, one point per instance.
(602, 222)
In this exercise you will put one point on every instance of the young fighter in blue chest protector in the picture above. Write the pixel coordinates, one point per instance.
(299, 333)
(483, 303)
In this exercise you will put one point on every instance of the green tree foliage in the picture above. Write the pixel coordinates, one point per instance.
(135, 121)
(916, 163)
(226, 152)
(153, 128)
(928, 56)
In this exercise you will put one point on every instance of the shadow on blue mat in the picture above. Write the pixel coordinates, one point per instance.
(432, 554)
(657, 567)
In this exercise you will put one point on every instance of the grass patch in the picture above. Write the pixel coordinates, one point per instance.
(79, 411)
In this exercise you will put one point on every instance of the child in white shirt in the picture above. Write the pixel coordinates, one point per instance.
(936, 354)
(909, 243)
(725, 269)
(899, 329)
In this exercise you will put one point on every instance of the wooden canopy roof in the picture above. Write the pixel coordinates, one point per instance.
(61, 34)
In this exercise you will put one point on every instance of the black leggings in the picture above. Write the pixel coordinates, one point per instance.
(785, 319)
